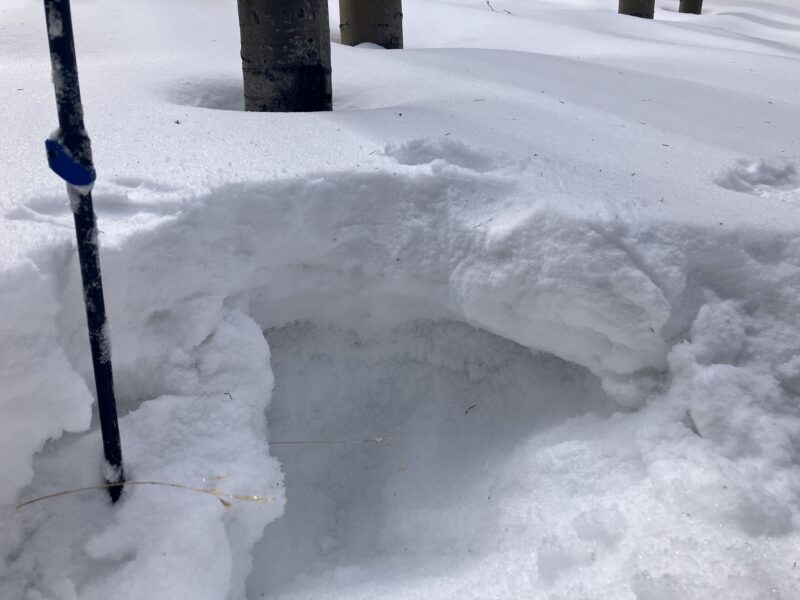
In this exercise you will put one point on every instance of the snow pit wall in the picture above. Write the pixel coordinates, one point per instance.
(189, 298)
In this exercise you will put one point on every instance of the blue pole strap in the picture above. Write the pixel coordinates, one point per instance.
(65, 166)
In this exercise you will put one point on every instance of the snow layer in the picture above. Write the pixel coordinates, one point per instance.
(537, 276)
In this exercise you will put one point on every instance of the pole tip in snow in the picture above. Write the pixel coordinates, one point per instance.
(115, 480)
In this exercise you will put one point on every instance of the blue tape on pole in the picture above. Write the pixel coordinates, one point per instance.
(65, 166)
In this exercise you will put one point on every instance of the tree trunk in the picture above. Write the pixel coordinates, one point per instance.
(286, 55)
(637, 8)
(691, 6)
(376, 21)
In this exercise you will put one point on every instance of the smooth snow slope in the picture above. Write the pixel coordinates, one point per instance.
(538, 273)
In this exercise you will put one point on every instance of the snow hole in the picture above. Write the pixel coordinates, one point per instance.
(217, 94)
(388, 440)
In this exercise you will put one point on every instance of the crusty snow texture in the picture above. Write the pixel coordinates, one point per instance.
(520, 316)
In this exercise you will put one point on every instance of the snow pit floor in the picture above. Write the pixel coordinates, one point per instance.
(449, 404)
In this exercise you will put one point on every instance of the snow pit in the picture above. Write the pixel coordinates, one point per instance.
(500, 471)
(449, 403)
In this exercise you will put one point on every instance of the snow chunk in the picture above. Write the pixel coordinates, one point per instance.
(424, 151)
(55, 27)
(718, 333)
(761, 177)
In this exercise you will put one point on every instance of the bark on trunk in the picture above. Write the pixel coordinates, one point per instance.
(637, 8)
(691, 6)
(376, 21)
(286, 55)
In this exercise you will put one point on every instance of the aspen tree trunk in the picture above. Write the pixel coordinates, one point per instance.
(637, 8)
(376, 21)
(286, 55)
(691, 6)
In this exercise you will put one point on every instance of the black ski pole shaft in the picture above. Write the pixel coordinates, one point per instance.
(69, 153)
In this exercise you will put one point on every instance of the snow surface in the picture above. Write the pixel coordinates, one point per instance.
(528, 297)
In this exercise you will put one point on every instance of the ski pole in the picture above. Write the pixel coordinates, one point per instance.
(69, 154)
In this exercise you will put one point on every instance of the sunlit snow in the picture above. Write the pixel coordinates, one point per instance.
(520, 318)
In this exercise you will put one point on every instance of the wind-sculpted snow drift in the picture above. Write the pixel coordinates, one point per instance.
(690, 323)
